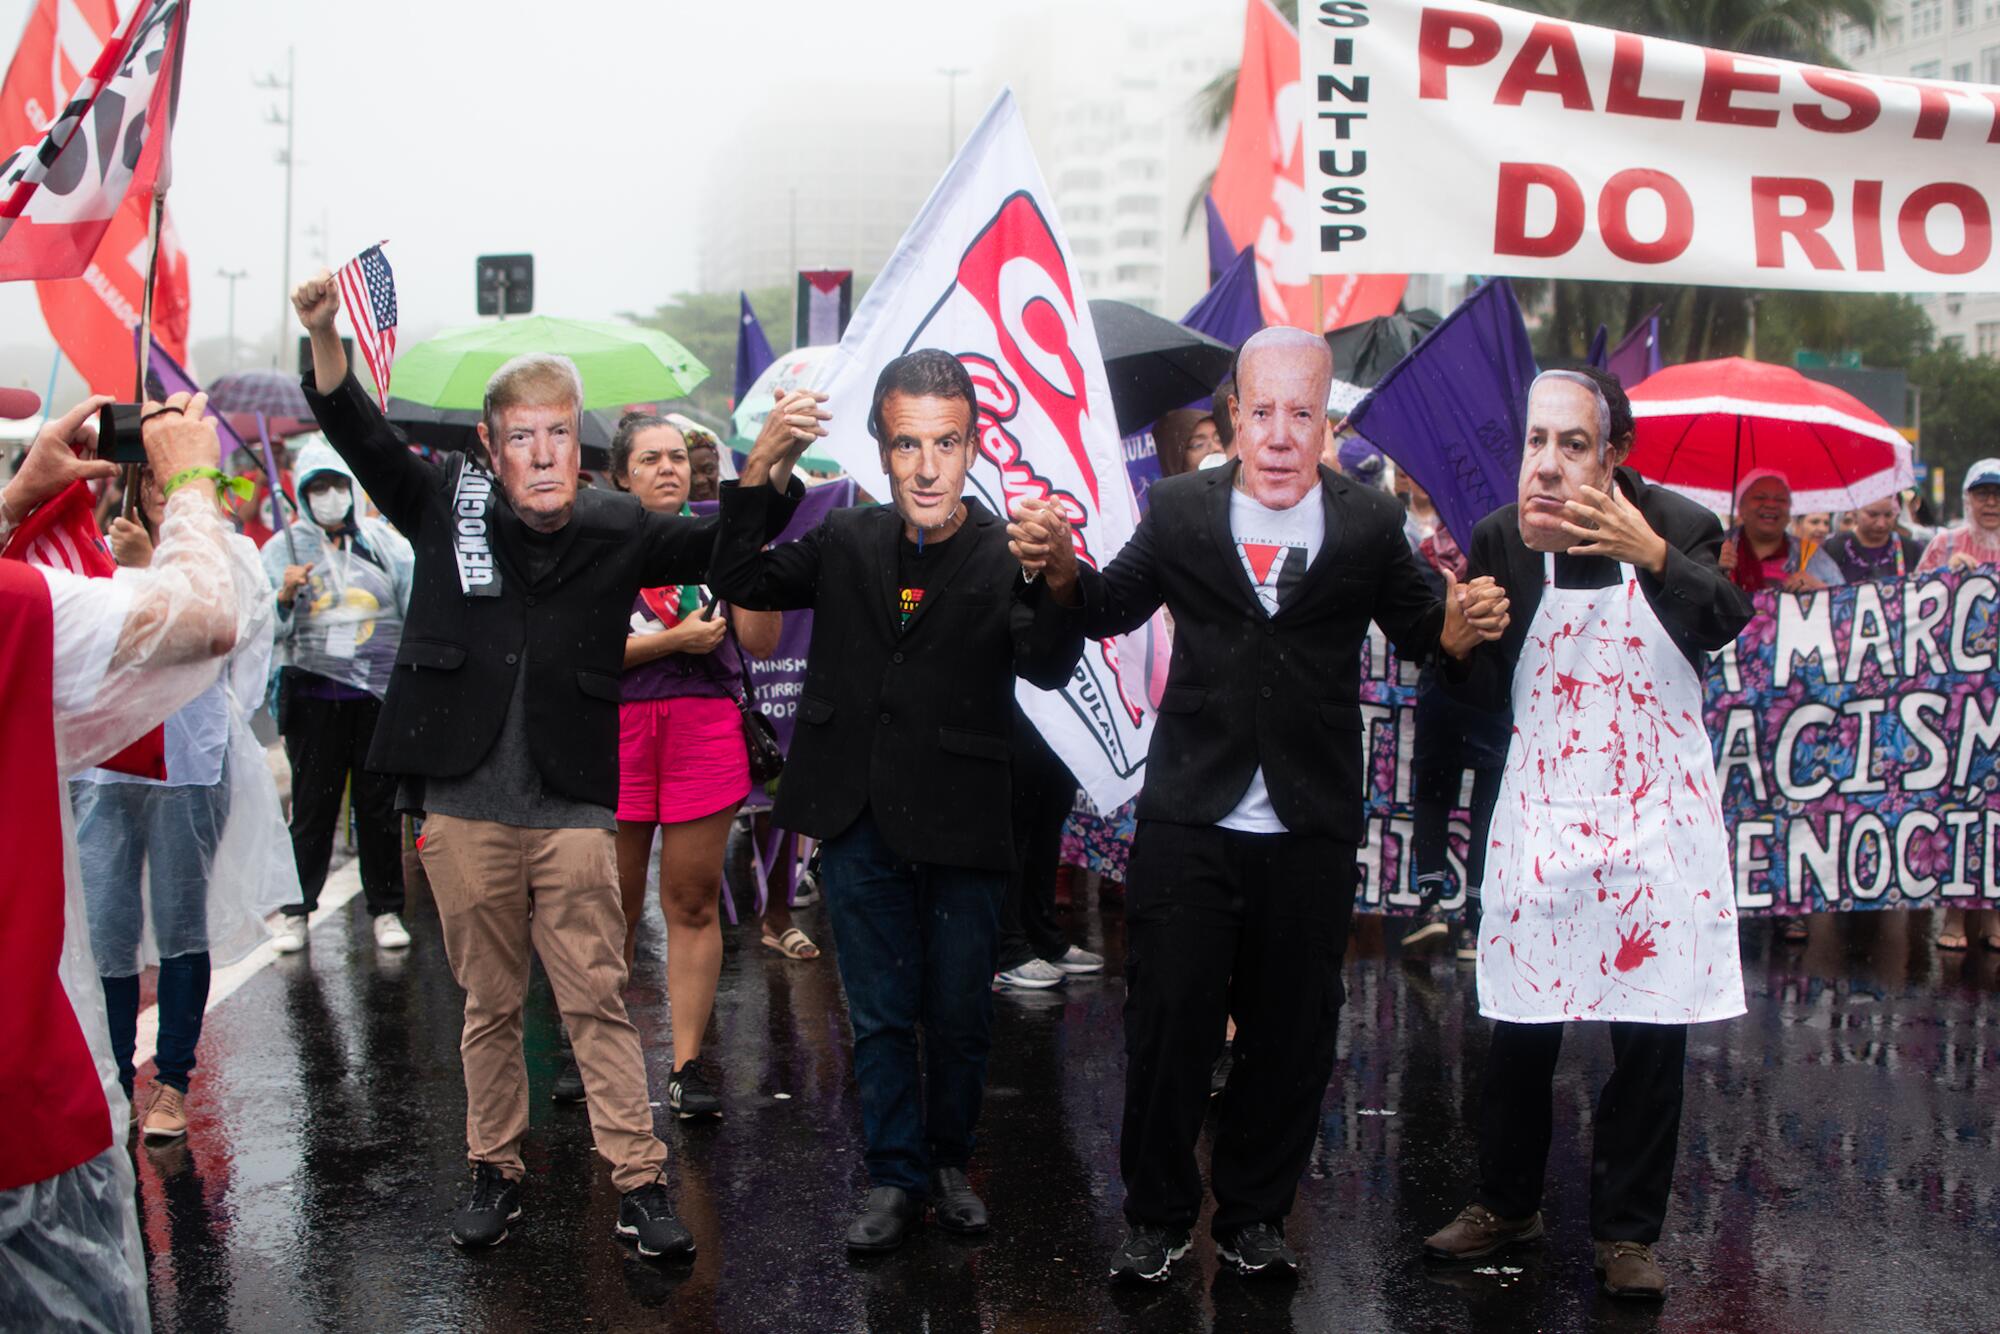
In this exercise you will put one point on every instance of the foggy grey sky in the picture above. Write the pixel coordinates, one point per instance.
(577, 131)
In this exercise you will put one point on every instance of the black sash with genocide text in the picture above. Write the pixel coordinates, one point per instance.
(472, 532)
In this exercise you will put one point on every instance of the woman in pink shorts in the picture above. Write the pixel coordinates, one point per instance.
(682, 766)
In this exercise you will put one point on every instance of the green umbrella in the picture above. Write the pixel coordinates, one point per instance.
(620, 363)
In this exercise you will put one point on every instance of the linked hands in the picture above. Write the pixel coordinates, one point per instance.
(794, 422)
(1474, 613)
(1041, 539)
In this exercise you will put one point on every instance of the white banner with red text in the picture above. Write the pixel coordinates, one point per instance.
(1470, 137)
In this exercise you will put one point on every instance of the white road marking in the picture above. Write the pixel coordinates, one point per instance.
(341, 887)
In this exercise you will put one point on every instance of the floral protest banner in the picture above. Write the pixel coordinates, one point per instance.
(1857, 739)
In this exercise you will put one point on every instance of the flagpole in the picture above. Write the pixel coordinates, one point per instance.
(1319, 305)
(277, 488)
(154, 220)
(146, 304)
(55, 368)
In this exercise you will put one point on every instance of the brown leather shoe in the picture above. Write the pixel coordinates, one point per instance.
(1629, 1270)
(1478, 1232)
(166, 1114)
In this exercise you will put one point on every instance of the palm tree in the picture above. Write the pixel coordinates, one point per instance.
(1699, 321)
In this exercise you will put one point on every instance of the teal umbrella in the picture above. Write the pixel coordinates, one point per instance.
(790, 371)
(620, 363)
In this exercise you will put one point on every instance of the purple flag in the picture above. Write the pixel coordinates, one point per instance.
(1638, 354)
(753, 350)
(166, 374)
(1599, 343)
(1453, 413)
(777, 682)
(1221, 250)
(778, 678)
(1230, 311)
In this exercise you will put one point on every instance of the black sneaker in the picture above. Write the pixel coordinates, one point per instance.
(1148, 1253)
(647, 1216)
(690, 1094)
(568, 1088)
(493, 1204)
(1428, 926)
(1258, 1249)
(1468, 931)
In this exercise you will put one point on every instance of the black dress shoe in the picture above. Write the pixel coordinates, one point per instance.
(952, 1199)
(886, 1217)
(568, 1088)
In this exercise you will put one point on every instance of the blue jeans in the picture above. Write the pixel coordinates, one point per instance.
(916, 948)
(169, 834)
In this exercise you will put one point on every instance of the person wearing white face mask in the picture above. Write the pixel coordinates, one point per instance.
(343, 590)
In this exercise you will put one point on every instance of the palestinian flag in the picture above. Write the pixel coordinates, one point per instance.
(826, 300)
(670, 605)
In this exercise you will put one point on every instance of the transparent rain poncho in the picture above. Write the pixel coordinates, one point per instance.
(217, 818)
(1966, 538)
(69, 1245)
(347, 623)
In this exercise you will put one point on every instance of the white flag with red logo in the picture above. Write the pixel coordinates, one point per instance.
(60, 190)
(984, 273)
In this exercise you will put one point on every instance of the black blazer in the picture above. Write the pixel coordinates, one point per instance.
(454, 674)
(1245, 689)
(1701, 609)
(909, 723)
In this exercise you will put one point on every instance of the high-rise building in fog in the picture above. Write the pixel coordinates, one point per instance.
(1957, 40)
(831, 189)
(1106, 93)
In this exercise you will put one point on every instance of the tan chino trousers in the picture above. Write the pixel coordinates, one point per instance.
(500, 890)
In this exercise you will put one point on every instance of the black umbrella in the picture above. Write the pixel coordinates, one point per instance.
(456, 428)
(1364, 352)
(1154, 365)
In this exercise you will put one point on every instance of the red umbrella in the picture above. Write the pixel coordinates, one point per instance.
(1704, 425)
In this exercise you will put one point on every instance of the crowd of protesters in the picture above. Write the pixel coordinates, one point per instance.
(534, 692)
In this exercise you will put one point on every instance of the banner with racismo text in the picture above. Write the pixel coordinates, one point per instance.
(1857, 739)
(1470, 137)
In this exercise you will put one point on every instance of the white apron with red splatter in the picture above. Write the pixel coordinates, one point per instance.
(1608, 894)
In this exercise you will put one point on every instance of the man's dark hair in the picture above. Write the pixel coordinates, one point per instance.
(1614, 398)
(1225, 424)
(928, 372)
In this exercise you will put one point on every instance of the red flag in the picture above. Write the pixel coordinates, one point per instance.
(42, 1046)
(60, 188)
(1260, 186)
(62, 535)
(92, 317)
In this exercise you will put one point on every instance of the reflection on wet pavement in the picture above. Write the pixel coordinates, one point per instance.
(1839, 1168)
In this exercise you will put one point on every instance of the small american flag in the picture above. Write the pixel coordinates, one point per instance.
(368, 290)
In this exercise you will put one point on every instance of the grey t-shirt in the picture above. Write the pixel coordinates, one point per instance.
(506, 788)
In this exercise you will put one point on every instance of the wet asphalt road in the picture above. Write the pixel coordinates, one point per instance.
(1839, 1169)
